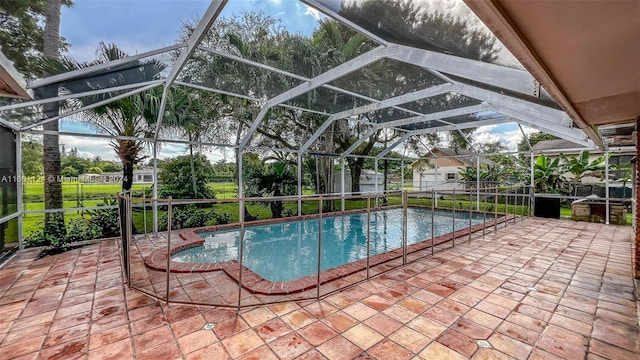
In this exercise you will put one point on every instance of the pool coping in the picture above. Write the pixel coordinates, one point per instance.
(255, 284)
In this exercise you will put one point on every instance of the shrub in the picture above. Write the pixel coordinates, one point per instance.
(176, 177)
(183, 217)
(81, 230)
(221, 219)
(53, 233)
(106, 221)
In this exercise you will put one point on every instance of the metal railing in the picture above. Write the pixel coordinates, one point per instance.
(216, 287)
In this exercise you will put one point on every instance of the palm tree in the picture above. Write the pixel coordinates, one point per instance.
(51, 151)
(468, 173)
(580, 166)
(274, 179)
(134, 116)
(547, 174)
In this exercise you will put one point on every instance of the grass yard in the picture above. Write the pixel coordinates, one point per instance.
(90, 195)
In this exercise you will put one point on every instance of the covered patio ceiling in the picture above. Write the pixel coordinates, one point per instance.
(585, 53)
(492, 93)
(12, 84)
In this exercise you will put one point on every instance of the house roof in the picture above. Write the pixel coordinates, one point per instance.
(467, 157)
(555, 144)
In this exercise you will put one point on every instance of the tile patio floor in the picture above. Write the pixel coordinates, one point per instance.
(539, 289)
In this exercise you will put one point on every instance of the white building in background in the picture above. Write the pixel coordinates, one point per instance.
(368, 179)
(140, 176)
(448, 164)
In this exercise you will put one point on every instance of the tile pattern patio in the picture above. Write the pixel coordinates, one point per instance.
(540, 289)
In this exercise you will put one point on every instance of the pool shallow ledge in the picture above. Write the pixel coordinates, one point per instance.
(255, 284)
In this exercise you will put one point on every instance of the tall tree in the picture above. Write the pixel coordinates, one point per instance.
(22, 33)
(259, 38)
(51, 147)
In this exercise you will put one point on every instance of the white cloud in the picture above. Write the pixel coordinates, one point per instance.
(309, 11)
(485, 137)
(486, 128)
(89, 147)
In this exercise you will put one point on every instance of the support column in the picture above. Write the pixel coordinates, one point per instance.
(299, 183)
(636, 260)
(375, 176)
(435, 184)
(342, 182)
(155, 187)
(402, 173)
(19, 189)
(533, 184)
(477, 183)
(607, 218)
(241, 209)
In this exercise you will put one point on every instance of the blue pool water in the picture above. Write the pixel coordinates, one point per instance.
(289, 250)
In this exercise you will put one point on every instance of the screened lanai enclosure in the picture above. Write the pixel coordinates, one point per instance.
(365, 84)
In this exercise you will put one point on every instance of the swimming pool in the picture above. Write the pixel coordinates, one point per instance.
(287, 251)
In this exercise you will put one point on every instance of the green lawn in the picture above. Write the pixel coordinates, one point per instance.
(89, 195)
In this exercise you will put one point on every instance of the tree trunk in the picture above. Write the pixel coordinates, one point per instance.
(276, 206)
(355, 167)
(127, 175)
(386, 175)
(51, 150)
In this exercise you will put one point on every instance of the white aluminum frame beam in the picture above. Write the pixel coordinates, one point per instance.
(78, 95)
(359, 142)
(318, 5)
(467, 125)
(91, 69)
(325, 125)
(526, 138)
(393, 146)
(196, 37)
(328, 76)
(398, 100)
(504, 101)
(218, 91)
(331, 75)
(413, 96)
(9, 125)
(492, 74)
(193, 42)
(565, 132)
(252, 63)
(89, 107)
(111, 137)
(434, 116)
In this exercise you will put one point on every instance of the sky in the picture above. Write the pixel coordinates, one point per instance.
(137, 26)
